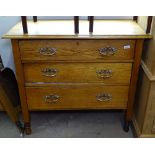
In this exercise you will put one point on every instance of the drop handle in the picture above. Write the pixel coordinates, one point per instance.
(52, 99)
(104, 97)
(104, 73)
(51, 72)
(47, 51)
(107, 51)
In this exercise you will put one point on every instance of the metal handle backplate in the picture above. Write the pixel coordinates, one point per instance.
(51, 98)
(104, 73)
(107, 51)
(51, 72)
(103, 97)
(47, 51)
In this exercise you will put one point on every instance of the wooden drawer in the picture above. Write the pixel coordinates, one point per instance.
(109, 73)
(77, 96)
(74, 50)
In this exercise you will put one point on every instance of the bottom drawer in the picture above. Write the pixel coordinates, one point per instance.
(77, 96)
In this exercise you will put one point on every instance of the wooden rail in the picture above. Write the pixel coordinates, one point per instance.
(76, 24)
(35, 18)
(91, 23)
(24, 23)
(135, 18)
(149, 24)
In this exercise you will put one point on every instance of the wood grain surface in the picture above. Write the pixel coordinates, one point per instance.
(70, 50)
(78, 72)
(77, 96)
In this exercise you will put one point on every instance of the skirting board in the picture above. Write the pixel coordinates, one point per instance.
(147, 71)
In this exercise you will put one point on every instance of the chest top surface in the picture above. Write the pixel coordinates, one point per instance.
(64, 29)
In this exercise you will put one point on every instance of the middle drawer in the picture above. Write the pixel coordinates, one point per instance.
(109, 73)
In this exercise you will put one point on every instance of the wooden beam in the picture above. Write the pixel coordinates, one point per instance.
(24, 24)
(76, 24)
(20, 80)
(149, 23)
(135, 18)
(91, 23)
(134, 77)
(35, 18)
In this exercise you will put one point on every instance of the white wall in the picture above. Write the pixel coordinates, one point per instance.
(6, 22)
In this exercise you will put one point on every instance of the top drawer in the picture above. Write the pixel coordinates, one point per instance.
(75, 50)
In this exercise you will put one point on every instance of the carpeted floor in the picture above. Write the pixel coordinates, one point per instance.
(69, 124)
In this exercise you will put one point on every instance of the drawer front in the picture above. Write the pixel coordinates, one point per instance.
(77, 49)
(109, 73)
(77, 96)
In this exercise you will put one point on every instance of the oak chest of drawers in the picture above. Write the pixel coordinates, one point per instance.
(58, 72)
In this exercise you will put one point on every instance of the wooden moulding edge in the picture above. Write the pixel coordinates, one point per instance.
(148, 73)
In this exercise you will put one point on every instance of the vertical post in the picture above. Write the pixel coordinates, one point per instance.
(21, 85)
(76, 24)
(149, 23)
(133, 83)
(91, 23)
(35, 18)
(24, 24)
(135, 18)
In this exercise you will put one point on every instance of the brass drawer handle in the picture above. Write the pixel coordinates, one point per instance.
(48, 51)
(51, 72)
(103, 97)
(51, 98)
(104, 73)
(107, 51)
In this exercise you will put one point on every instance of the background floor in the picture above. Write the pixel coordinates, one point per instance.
(72, 124)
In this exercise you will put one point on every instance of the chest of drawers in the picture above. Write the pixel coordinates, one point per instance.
(81, 79)
(77, 72)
